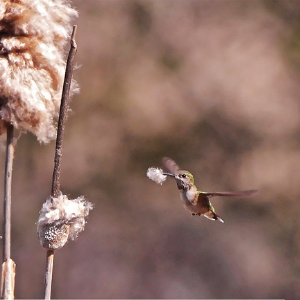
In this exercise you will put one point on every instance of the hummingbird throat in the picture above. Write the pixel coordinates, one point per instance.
(181, 185)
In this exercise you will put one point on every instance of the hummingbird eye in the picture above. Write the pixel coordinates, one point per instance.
(183, 175)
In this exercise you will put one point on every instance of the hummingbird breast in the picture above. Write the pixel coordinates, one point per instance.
(189, 199)
(188, 204)
(195, 202)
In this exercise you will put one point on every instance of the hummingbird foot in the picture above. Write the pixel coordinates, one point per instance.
(193, 214)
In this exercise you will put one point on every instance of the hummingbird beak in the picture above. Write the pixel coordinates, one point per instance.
(169, 174)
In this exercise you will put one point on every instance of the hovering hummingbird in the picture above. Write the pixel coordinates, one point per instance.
(196, 202)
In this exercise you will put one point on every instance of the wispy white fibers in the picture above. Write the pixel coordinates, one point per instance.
(156, 175)
(61, 219)
(32, 62)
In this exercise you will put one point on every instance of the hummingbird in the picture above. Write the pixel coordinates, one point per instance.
(195, 201)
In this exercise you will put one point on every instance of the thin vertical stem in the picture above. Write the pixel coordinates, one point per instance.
(49, 272)
(63, 116)
(8, 267)
(55, 191)
(10, 149)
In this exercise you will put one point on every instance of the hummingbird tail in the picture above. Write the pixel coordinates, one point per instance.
(219, 219)
(213, 216)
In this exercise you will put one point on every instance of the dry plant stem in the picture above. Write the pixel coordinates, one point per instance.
(7, 191)
(63, 116)
(8, 279)
(49, 272)
(58, 149)
(7, 284)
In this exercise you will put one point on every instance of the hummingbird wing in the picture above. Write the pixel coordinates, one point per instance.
(205, 207)
(170, 165)
(202, 200)
(231, 194)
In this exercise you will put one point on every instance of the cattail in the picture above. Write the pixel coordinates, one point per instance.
(156, 175)
(61, 219)
(32, 65)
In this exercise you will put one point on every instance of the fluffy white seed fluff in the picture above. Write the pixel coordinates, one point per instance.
(33, 34)
(61, 219)
(156, 175)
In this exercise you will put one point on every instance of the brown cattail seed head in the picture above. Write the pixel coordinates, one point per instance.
(32, 65)
(54, 236)
(61, 220)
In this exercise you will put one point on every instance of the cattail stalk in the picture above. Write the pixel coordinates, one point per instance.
(8, 267)
(63, 116)
(49, 272)
(58, 150)
(10, 149)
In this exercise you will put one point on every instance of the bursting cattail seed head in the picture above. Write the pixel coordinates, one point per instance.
(61, 219)
(32, 66)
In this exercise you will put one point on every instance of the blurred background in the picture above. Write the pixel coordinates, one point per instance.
(213, 84)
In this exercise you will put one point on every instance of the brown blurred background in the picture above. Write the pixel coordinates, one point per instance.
(214, 84)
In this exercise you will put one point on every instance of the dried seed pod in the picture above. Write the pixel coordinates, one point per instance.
(61, 220)
(54, 236)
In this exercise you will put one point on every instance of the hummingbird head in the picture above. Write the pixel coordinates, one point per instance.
(184, 180)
